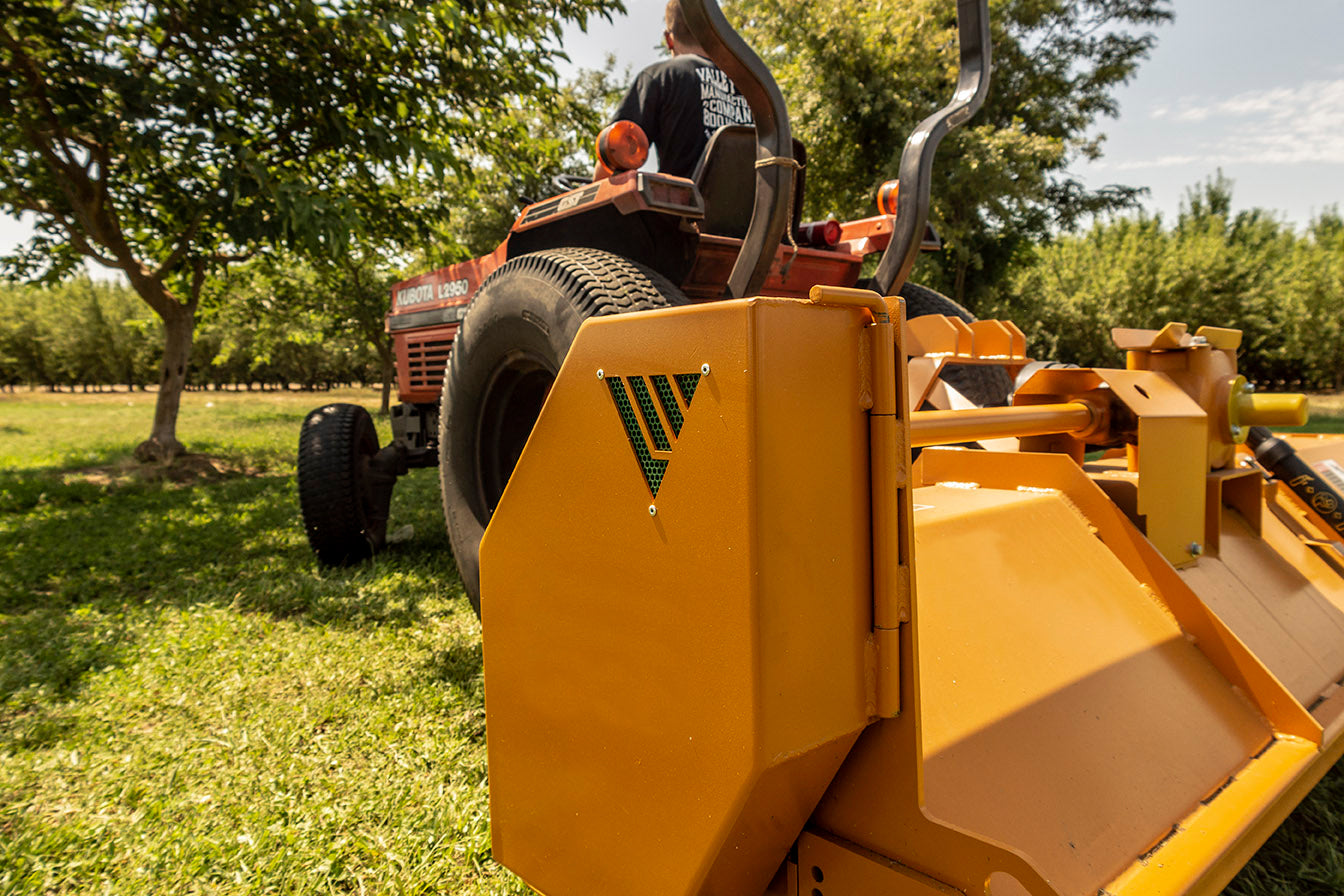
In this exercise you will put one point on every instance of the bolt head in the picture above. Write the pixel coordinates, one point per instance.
(1248, 388)
(653, 510)
(704, 370)
(600, 374)
(1195, 549)
(1236, 432)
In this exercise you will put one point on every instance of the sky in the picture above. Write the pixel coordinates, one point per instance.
(1253, 88)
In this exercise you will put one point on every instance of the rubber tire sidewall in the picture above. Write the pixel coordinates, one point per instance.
(522, 311)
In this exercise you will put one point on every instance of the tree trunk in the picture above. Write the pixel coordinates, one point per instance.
(162, 444)
(389, 364)
(959, 282)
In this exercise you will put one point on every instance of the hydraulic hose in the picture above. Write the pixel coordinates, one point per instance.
(1283, 463)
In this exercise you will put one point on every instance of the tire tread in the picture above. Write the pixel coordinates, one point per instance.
(329, 497)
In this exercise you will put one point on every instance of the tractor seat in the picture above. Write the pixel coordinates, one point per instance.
(726, 177)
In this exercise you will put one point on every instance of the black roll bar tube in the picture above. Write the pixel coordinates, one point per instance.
(775, 164)
(912, 205)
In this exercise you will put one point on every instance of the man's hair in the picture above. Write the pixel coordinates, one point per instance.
(674, 20)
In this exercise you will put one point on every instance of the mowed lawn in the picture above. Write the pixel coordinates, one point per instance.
(189, 704)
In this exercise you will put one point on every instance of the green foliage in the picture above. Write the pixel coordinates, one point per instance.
(280, 319)
(165, 139)
(553, 135)
(210, 128)
(1250, 271)
(77, 333)
(86, 335)
(860, 76)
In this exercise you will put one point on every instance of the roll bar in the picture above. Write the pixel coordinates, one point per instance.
(774, 143)
(912, 205)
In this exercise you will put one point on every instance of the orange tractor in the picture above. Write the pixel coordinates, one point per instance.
(478, 344)
(759, 622)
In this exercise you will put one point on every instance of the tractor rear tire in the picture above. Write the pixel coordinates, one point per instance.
(513, 339)
(985, 385)
(340, 511)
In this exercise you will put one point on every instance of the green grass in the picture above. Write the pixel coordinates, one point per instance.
(1327, 414)
(188, 703)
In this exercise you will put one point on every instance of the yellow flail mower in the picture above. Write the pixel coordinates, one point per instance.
(755, 627)
(737, 642)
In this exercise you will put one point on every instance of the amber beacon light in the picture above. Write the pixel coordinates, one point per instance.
(887, 195)
(623, 146)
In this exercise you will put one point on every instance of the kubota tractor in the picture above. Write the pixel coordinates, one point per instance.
(478, 344)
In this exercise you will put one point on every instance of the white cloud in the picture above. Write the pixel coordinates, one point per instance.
(1276, 126)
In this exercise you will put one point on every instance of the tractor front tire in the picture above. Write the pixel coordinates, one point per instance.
(339, 506)
(513, 339)
(985, 385)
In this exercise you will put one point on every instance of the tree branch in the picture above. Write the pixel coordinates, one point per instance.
(197, 281)
(228, 258)
(181, 249)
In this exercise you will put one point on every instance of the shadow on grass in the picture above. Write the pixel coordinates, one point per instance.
(89, 476)
(43, 656)
(82, 559)
(461, 664)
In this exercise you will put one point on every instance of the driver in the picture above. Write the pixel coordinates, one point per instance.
(681, 101)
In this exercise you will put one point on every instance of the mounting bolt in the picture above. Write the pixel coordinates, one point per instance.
(1195, 549)
(653, 510)
(1248, 388)
(1236, 432)
(600, 374)
(704, 370)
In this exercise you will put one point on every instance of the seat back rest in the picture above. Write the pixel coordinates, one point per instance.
(726, 177)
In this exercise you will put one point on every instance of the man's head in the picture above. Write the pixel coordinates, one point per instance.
(676, 33)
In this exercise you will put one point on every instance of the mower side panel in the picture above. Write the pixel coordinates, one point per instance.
(682, 661)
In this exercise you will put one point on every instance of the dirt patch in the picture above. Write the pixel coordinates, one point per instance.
(186, 469)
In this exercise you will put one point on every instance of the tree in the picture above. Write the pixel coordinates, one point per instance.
(267, 308)
(1248, 270)
(76, 333)
(165, 138)
(860, 75)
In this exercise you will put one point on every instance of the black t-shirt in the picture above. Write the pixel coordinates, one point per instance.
(679, 102)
